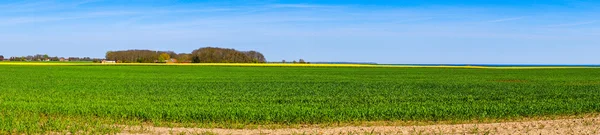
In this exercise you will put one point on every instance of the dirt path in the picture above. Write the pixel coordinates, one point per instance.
(584, 126)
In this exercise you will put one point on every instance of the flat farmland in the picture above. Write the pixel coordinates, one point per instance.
(100, 98)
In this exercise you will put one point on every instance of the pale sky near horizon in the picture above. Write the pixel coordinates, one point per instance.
(394, 31)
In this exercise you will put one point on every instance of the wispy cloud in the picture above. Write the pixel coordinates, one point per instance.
(37, 6)
(234, 22)
(85, 2)
(414, 19)
(135, 15)
(54, 18)
(22, 20)
(573, 24)
(204, 10)
(108, 13)
(505, 19)
(300, 6)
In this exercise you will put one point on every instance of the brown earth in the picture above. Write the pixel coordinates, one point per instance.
(579, 126)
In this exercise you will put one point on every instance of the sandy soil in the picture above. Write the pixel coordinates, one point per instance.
(583, 126)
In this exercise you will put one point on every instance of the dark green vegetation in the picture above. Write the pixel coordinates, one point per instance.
(95, 98)
(202, 55)
(47, 58)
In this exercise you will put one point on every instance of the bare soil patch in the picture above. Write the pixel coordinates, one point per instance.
(580, 126)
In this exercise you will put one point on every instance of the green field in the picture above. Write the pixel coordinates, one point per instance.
(38, 99)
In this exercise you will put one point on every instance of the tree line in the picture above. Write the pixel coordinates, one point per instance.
(201, 55)
(140, 56)
(46, 57)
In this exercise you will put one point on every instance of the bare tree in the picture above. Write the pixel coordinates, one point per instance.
(184, 57)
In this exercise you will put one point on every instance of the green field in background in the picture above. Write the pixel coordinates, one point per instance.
(37, 99)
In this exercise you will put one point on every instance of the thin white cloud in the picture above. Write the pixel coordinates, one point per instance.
(86, 2)
(37, 6)
(23, 20)
(300, 6)
(43, 19)
(573, 24)
(414, 19)
(136, 14)
(204, 10)
(108, 13)
(506, 19)
(235, 21)
(24, 4)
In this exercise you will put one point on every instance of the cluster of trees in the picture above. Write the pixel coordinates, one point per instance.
(140, 56)
(202, 55)
(301, 61)
(224, 55)
(45, 57)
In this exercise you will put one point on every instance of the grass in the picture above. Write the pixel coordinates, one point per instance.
(93, 99)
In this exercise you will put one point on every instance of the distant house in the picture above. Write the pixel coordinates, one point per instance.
(172, 60)
(108, 62)
(63, 59)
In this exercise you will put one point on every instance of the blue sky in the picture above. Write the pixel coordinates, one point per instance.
(394, 31)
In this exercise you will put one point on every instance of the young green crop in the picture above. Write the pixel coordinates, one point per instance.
(38, 99)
